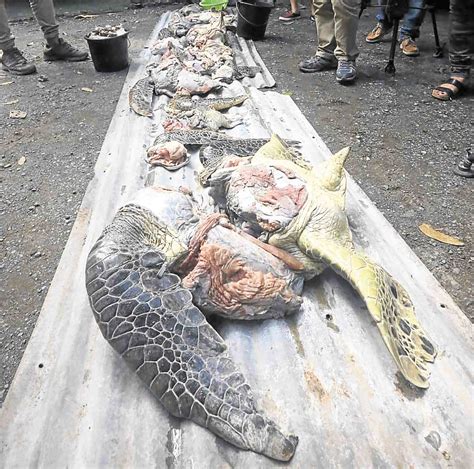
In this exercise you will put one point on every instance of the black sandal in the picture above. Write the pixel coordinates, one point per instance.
(451, 94)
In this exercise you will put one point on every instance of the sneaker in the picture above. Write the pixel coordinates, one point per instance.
(312, 18)
(377, 33)
(15, 62)
(62, 50)
(409, 47)
(289, 16)
(346, 71)
(317, 64)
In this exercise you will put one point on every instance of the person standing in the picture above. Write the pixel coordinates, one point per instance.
(336, 24)
(461, 49)
(56, 48)
(293, 13)
(409, 31)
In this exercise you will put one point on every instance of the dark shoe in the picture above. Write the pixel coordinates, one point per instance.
(465, 166)
(377, 33)
(346, 71)
(15, 62)
(289, 16)
(62, 50)
(317, 64)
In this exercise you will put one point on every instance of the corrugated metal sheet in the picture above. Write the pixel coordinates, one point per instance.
(75, 404)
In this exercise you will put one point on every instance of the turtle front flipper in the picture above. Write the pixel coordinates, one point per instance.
(387, 301)
(148, 317)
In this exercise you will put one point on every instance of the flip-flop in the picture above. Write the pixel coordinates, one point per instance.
(450, 94)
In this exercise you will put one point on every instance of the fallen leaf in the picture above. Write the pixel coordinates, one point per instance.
(15, 114)
(85, 17)
(22, 161)
(8, 103)
(5, 83)
(87, 90)
(429, 231)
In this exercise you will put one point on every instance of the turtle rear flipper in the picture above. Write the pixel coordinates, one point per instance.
(387, 302)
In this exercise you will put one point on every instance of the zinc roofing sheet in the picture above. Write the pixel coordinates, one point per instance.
(74, 403)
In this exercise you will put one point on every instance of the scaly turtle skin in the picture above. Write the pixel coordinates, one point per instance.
(184, 103)
(214, 146)
(148, 317)
(201, 113)
(300, 209)
(195, 61)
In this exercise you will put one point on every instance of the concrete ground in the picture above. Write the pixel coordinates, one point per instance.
(404, 146)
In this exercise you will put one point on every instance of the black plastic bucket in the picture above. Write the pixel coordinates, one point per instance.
(109, 54)
(252, 19)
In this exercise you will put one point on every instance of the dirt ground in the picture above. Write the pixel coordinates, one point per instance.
(404, 147)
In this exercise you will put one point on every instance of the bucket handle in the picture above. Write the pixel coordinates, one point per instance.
(249, 22)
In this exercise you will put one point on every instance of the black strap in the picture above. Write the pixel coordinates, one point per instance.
(458, 84)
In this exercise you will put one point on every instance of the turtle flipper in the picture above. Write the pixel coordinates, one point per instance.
(140, 97)
(387, 302)
(147, 316)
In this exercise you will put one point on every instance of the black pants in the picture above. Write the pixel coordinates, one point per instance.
(461, 36)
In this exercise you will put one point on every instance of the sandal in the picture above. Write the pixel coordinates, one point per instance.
(449, 93)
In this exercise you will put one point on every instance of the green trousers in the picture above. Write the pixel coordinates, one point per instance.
(44, 14)
(336, 23)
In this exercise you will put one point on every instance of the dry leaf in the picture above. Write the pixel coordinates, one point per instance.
(22, 161)
(15, 114)
(87, 90)
(6, 83)
(8, 103)
(428, 230)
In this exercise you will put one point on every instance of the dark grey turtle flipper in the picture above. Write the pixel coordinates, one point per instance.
(140, 97)
(149, 319)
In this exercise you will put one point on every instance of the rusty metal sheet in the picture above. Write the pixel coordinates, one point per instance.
(74, 403)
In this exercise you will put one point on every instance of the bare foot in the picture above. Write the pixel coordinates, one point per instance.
(445, 96)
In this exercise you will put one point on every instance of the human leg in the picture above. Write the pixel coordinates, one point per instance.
(293, 13)
(324, 58)
(46, 18)
(7, 41)
(413, 19)
(461, 43)
(12, 59)
(56, 48)
(346, 22)
(382, 27)
(324, 16)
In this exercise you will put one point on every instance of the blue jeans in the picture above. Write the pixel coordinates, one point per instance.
(461, 36)
(411, 21)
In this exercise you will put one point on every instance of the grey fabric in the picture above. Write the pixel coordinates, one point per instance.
(461, 36)
(337, 22)
(7, 41)
(43, 11)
